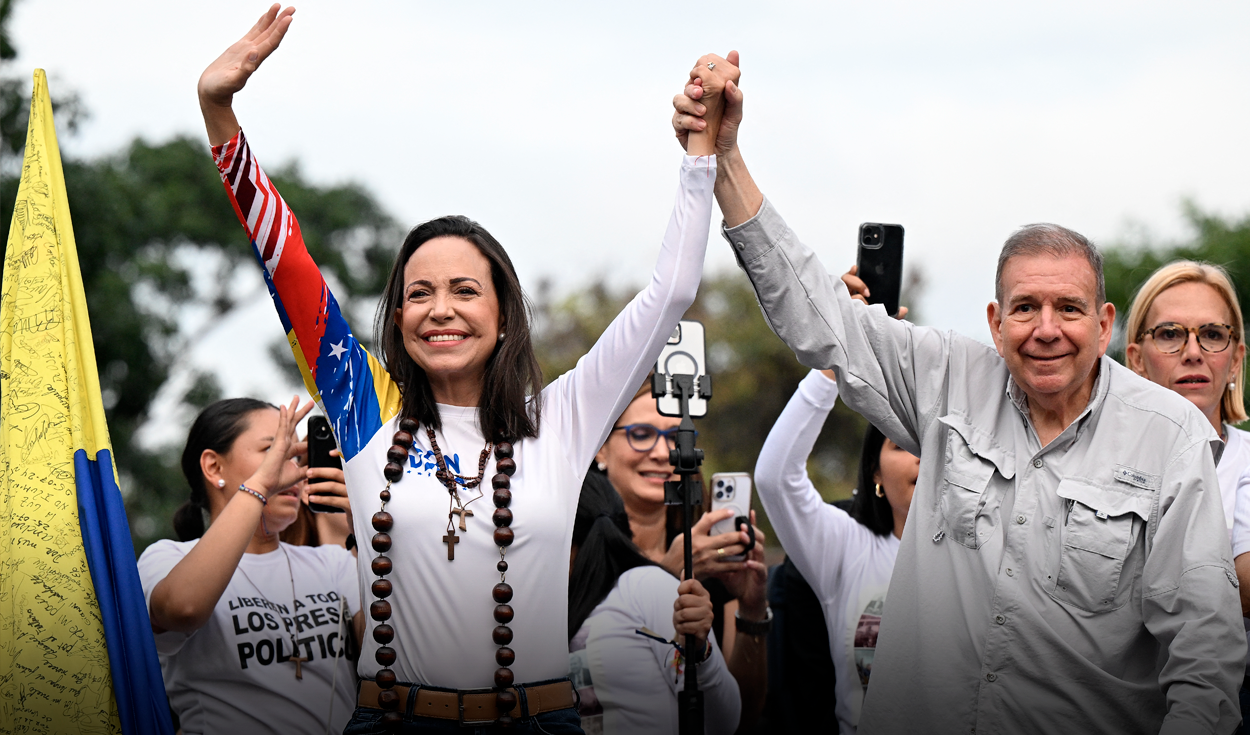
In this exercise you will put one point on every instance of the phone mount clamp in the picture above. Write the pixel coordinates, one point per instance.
(687, 492)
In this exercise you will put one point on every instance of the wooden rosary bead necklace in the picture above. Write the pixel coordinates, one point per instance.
(382, 566)
(453, 483)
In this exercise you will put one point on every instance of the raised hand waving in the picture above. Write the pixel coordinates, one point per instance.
(230, 72)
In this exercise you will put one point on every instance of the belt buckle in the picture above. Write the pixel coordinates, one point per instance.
(460, 703)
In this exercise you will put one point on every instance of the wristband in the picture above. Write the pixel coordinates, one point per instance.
(253, 493)
(754, 627)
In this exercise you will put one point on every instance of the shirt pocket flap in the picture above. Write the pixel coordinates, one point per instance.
(1107, 501)
(981, 445)
(1101, 519)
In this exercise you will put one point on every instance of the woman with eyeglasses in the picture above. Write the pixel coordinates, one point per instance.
(1186, 333)
(635, 460)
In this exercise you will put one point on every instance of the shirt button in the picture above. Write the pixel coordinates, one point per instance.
(1038, 463)
(742, 245)
(1010, 573)
(1000, 619)
(991, 676)
(1019, 519)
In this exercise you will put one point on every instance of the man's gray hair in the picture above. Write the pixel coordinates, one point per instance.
(1047, 239)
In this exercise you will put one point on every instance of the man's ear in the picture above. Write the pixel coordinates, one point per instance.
(994, 315)
(1106, 323)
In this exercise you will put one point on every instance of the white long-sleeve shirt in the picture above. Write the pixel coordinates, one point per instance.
(635, 679)
(847, 565)
(442, 610)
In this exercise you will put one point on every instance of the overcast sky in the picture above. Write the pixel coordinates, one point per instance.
(549, 122)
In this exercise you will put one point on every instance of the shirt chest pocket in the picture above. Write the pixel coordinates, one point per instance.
(963, 495)
(1102, 528)
(966, 482)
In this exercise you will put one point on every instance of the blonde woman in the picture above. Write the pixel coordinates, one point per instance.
(1186, 333)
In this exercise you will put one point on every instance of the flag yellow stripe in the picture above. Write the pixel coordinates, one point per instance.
(51, 637)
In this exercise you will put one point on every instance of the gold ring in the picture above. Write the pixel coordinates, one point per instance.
(720, 552)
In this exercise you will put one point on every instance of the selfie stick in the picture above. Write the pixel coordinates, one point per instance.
(686, 459)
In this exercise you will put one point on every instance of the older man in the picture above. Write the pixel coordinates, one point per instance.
(1065, 567)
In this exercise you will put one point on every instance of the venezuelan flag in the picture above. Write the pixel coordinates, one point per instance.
(76, 647)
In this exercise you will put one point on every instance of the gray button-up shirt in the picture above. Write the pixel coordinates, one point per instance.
(1084, 586)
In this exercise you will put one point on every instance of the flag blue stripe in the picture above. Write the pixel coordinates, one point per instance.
(137, 684)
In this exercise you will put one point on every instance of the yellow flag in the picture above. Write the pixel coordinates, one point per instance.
(54, 664)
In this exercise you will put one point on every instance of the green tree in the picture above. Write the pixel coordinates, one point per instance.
(753, 374)
(148, 219)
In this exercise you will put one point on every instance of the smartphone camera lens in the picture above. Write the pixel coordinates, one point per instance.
(720, 483)
(870, 236)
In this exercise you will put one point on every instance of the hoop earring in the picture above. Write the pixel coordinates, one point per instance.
(880, 493)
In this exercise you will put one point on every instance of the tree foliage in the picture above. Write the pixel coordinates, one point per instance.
(753, 374)
(156, 236)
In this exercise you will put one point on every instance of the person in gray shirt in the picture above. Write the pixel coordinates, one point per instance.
(1065, 566)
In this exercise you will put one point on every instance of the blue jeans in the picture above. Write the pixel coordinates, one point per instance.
(559, 722)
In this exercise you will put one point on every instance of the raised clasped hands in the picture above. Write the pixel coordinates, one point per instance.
(279, 470)
(711, 102)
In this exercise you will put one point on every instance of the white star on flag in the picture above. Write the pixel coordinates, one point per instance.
(337, 350)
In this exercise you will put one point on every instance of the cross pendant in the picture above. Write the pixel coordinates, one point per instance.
(451, 539)
(299, 673)
(463, 513)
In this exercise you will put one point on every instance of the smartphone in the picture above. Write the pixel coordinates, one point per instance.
(880, 263)
(683, 354)
(320, 442)
(731, 490)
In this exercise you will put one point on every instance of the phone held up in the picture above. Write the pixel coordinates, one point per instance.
(731, 490)
(880, 262)
(320, 442)
(683, 354)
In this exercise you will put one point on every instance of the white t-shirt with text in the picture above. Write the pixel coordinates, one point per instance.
(234, 674)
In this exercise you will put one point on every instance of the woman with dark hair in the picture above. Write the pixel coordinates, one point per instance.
(634, 459)
(625, 612)
(250, 631)
(470, 626)
(846, 558)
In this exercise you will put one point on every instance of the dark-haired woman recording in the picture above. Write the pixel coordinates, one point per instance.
(847, 559)
(472, 466)
(250, 631)
(624, 611)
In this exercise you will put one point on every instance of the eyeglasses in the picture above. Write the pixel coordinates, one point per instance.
(644, 437)
(1171, 337)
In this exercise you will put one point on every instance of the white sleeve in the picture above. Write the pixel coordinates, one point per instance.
(155, 564)
(346, 577)
(1241, 515)
(722, 704)
(814, 534)
(583, 403)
